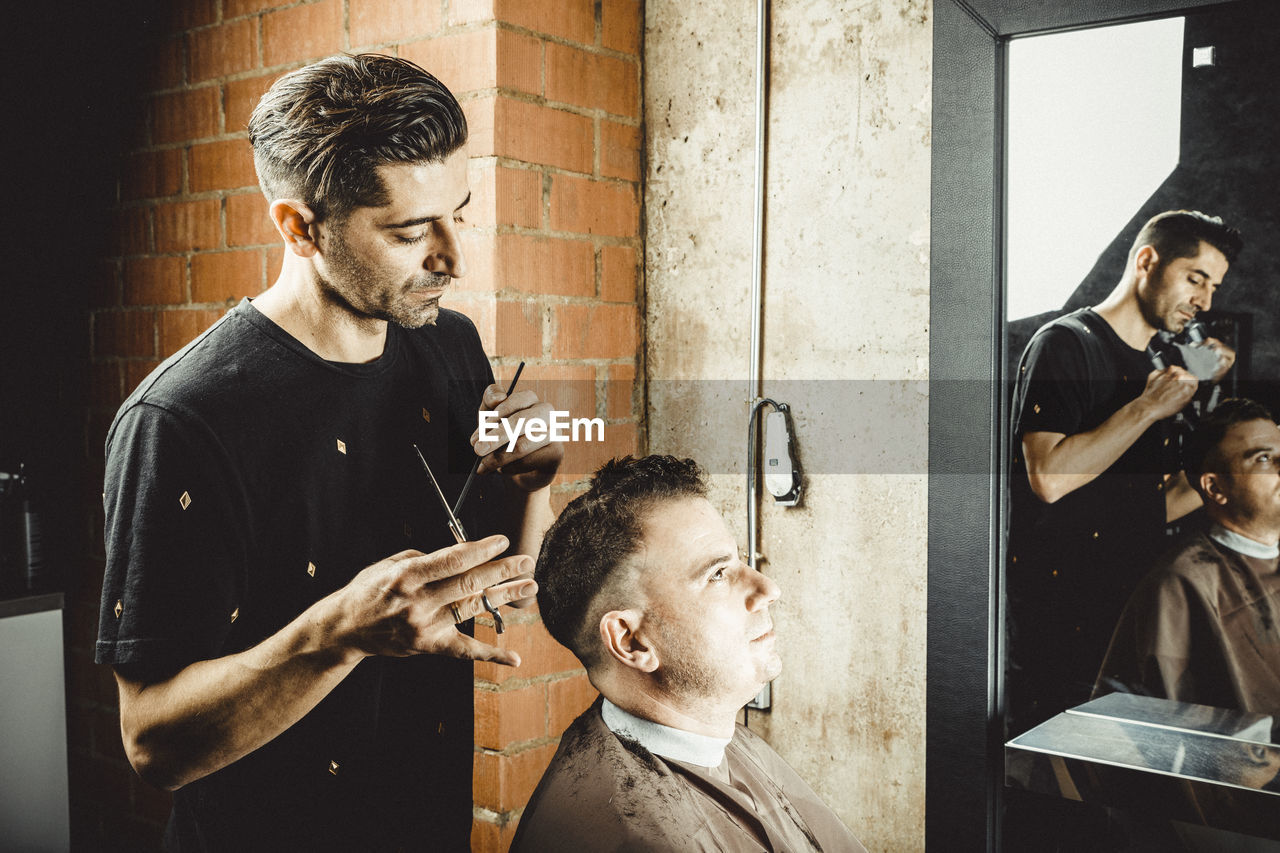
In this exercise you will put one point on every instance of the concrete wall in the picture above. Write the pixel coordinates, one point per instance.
(845, 343)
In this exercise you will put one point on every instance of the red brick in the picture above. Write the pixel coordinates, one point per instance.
(163, 65)
(179, 327)
(582, 458)
(518, 328)
(543, 135)
(505, 717)
(568, 387)
(621, 151)
(194, 13)
(583, 206)
(242, 96)
(104, 285)
(275, 263)
(124, 333)
(570, 19)
(226, 276)
(504, 196)
(504, 783)
(539, 653)
(236, 8)
(594, 331)
(152, 174)
(488, 837)
(309, 31)
(248, 222)
(561, 497)
(222, 165)
(621, 22)
(132, 231)
(479, 307)
(186, 115)
(380, 21)
(545, 265)
(567, 698)
(481, 59)
(593, 80)
(478, 248)
(619, 274)
(222, 50)
(105, 387)
(186, 225)
(620, 394)
(480, 126)
(155, 281)
(135, 372)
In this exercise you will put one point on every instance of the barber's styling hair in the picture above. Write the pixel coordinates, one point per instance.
(1178, 234)
(320, 132)
(1200, 453)
(594, 536)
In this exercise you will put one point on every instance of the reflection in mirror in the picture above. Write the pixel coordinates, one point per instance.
(1106, 128)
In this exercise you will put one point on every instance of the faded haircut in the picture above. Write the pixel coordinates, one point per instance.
(1178, 234)
(320, 133)
(1201, 452)
(593, 538)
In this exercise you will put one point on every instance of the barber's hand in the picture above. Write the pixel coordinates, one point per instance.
(401, 605)
(1226, 356)
(1168, 391)
(530, 465)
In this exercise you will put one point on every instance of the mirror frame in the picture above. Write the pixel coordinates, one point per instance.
(967, 460)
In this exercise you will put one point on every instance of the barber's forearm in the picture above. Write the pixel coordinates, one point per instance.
(528, 520)
(1059, 464)
(215, 712)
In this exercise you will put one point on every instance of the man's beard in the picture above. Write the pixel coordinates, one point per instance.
(344, 267)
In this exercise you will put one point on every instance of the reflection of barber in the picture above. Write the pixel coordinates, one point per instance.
(1202, 627)
(1096, 477)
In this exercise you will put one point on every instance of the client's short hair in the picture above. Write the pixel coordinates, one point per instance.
(1201, 453)
(577, 569)
(1178, 234)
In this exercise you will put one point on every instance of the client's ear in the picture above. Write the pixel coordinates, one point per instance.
(1211, 488)
(624, 642)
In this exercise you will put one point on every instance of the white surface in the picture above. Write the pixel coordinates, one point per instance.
(34, 812)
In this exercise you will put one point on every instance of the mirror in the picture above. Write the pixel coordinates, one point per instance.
(1219, 153)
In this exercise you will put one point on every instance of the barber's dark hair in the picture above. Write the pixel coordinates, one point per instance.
(1178, 233)
(594, 536)
(1200, 453)
(320, 132)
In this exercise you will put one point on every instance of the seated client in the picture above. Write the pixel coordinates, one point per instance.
(1202, 626)
(641, 579)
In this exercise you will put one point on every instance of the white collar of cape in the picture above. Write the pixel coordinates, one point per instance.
(676, 744)
(1242, 544)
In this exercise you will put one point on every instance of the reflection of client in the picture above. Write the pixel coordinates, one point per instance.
(641, 579)
(1202, 627)
(1094, 470)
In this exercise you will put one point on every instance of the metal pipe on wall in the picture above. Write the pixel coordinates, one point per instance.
(757, 277)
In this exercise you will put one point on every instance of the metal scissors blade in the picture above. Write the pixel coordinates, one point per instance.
(455, 526)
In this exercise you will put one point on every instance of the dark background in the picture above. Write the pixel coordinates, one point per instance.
(67, 93)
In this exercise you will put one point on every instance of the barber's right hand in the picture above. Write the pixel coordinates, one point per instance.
(401, 605)
(1168, 391)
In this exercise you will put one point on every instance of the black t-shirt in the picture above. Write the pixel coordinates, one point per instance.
(1073, 563)
(246, 479)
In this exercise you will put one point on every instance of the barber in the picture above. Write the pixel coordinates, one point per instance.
(282, 595)
(1096, 475)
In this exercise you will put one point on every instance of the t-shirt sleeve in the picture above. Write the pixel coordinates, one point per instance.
(173, 546)
(1052, 385)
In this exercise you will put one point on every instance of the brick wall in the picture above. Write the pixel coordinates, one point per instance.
(551, 90)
